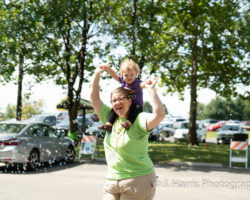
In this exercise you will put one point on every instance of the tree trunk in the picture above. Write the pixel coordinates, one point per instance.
(75, 100)
(192, 135)
(19, 90)
(133, 54)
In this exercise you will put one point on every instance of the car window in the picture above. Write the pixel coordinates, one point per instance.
(185, 125)
(11, 128)
(38, 130)
(47, 120)
(230, 128)
(51, 132)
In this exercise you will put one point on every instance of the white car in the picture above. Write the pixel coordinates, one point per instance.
(181, 132)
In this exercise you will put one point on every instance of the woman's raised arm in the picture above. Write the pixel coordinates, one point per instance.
(95, 100)
(158, 110)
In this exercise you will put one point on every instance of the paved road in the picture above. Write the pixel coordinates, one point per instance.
(84, 180)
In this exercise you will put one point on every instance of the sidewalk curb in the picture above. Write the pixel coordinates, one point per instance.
(196, 164)
(178, 164)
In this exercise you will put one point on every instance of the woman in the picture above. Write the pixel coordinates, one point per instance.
(130, 171)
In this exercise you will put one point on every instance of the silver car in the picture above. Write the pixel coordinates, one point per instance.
(31, 143)
(228, 131)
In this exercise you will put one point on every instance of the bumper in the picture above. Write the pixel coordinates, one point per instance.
(12, 155)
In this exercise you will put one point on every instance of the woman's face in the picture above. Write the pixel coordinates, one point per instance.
(129, 76)
(121, 104)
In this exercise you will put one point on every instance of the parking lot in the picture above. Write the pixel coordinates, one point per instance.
(84, 180)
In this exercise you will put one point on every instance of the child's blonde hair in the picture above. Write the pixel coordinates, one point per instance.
(128, 65)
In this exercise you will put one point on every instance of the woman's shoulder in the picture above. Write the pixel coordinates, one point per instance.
(104, 111)
(141, 121)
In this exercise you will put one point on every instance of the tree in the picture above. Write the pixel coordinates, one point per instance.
(222, 109)
(218, 109)
(5, 71)
(10, 112)
(29, 109)
(133, 25)
(20, 42)
(200, 111)
(201, 47)
(70, 33)
(147, 107)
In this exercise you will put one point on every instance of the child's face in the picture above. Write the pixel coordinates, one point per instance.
(129, 76)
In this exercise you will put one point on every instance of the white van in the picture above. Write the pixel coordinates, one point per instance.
(181, 131)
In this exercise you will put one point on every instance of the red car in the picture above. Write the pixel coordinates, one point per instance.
(214, 127)
(246, 125)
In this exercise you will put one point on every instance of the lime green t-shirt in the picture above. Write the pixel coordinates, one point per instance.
(126, 151)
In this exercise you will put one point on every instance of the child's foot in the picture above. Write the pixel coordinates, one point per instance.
(126, 124)
(106, 127)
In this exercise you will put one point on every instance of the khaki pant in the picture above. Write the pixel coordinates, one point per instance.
(138, 188)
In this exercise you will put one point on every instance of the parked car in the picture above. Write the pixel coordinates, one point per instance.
(30, 143)
(228, 131)
(154, 135)
(44, 118)
(246, 125)
(62, 115)
(216, 126)
(208, 122)
(164, 130)
(63, 126)
(94, 130)
(181, 133)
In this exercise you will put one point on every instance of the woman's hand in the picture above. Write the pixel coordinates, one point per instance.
(151, 81)
(100, 69)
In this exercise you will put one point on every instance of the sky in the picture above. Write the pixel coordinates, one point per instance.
(52, 95)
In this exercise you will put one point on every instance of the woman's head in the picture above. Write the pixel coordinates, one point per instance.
(121, 100)
(129, 70)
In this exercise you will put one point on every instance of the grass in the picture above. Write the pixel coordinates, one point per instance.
(166, 152)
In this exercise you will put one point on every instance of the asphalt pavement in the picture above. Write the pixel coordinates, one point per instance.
(84, 180)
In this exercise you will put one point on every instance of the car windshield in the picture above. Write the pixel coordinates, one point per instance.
(65, 122)
(11, 128)
(36, 119)
(96, 124)
(230, 128)
(184, 125)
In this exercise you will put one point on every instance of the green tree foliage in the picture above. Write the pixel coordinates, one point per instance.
(20, 41)
(70, 32)
(147, 107)
(10, 112)
(200, 111)
(5, 71)
(134, 25)
(223, 109)
(29, 109)
(201, 47)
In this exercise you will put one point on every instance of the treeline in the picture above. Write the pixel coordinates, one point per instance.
(188, 44)
(223, 109)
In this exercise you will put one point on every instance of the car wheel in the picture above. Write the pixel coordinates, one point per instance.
(34, 160)
(167, 134)
(70, 154)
